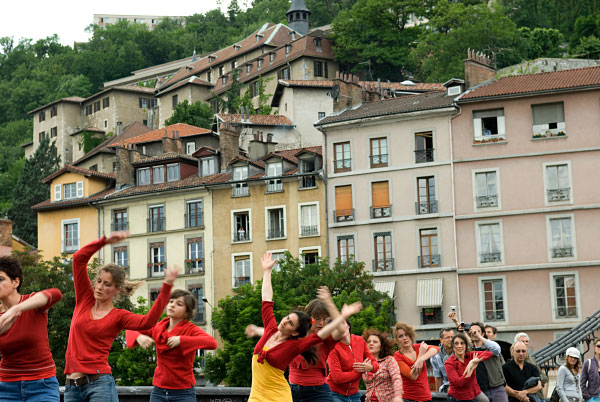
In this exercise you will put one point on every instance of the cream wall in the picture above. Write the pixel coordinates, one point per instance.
(189, 92)
(68, 119)
(103, 160)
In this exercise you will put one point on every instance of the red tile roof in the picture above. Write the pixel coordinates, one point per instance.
(193, 80)
(307, 83)
(397, 86)
(165, 157)
(70, 99)
(185, 130)
(81, 171)
(47, 205)
(188, 182)
(256, 119)
(580, 78)
(204, 150)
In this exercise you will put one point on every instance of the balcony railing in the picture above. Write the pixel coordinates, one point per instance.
(194, 266)
(486, 201)
(312, 230)
(490, 257)
(426, 207)
(381, 212)
(424, 155)
(563, 311)
(71, 245)
(383, 265)
(241, 236)
(561, 252)
(276, 233)
(119, 226)
(342, 165)
(241, 280)
(155, 224)
(239, 190)
(308, 181)
(427, 261)
(380, 160)
(343, 215)
(494, 315)
(193, 220)
(157, 269)
(560, 194)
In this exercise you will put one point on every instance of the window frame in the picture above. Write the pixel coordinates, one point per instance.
(318, 217)
(160, 227)
(119, 248)
(554, 312)
(549, 247)
(560, 125)
(199, 222)
(383, 232)
(233, 267)
(155, 169)
(138, 176)
(63, 246)
(474, 174)
(420, 247)
(151, 263)
(283, 218)
(344, 168)
(545, 167)
(381, 156)
(302, 250)
(199, 239)
(233, 231)
(346, 237)
(479, 136)
(170, 168)
(197, 318)
(479, 246)
(480, 281)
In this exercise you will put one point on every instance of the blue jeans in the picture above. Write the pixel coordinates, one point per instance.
(173, 395)
(42, 390)
(306, 393)
(343, 398)
(101, 390)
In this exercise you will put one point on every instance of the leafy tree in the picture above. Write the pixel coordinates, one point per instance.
(199, 114)
(588, 48)
(30, 190)
(293, 286)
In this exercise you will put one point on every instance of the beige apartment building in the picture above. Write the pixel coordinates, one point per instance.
(151, 21)
(527, 207)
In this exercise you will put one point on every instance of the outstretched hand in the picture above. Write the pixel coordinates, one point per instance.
(144, 341)
(116, 237)
(349, 310)
(254, 330)
(171, 273)
(8, 319)
(268, 262)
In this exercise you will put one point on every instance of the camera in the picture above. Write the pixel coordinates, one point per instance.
(453, 309)
(466, 326)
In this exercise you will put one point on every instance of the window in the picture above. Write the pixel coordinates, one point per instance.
(42, 116)
(548, 119)
(70, 235)
(105, 102)
(383, 252)
(53, 132)
(284, 74)
(343, 204)
(486, 191)
(565, 296)
(57, 192)
(380, 193)
(558, 187)
(120, 257)
(488, 125)
(174, 101)
(309, 256)
(221, 70)
(241, 226)
(209, 76)
(147, 103)
(307, 165)
(288, 49)
(274, 169)
(194, 261)
(73, 190)
(198, 292)
(275, 223)
(193, 217)
(259, 63)
(173, 172)
(88, 110)
(490, 243)
(345, 248)
(145, 122)
(224, 80)
(424, 147)
(248, 68)
(156, 220)
(426, 204)
(493, 299)
(96, 106)
(430, 255)
(321, 115)
(240, 173)
(431, 315)
(53, 111)
(120, 221)
(157, 259)
(159, 174)
(309, 220)
(114, 166)
(254, 88)
(320, 69)
(143, 176)
(190, 147)
(208, 166)
(241, 270)
(280, 257)
(271, 57)
(318, 44)
(341, 157)
(379, 154)
(42, 135)
(561, 232)
(234, 64)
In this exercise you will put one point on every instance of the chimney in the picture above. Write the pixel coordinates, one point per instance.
(229, 144)
(125, 174)
(6, 233)
(169, 144)
(479, 68)
(351, 93)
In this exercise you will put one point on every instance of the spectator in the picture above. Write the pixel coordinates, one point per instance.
(490, 376)
(516, 372)
(437, 361)
(386, 384)
(523, 337)
(490, 333)
(460, 367)
(567, 380)
(590, 378)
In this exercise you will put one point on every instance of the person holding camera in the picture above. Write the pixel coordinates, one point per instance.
(489, 374)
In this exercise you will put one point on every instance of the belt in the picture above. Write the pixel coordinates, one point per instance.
(80, 381)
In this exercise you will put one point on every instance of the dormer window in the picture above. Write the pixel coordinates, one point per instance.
(173, 172)
(221, 70)
(73, 190)
(259, 37)
(293, 35)
(274, 171)
(307, 165)
(211, 59)
(143, 176)
(318, 43)
(236, 47)
(208, 166)
(240, 173)
(159, 174)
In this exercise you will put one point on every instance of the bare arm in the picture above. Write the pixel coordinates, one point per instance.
(325, 296)
(10, 316)
(267, 288)
(347, 311)
(254, 330)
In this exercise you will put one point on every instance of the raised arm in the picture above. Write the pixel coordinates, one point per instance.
(347, 311)
(267, 264)
(325, 296)
(42, 300)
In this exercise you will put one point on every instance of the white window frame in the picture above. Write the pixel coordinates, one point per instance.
(306, 204)
(557, 163)
(544, 128)
(160, 274)
(478, 243)
(480, 281)
(208, 160)
(233, 228)
(474, 174)
(160, 168)
(478, 128)
(190, 147)
(63, 223)
(57, 192)
(177, 170)
(79, 189)
(549, 237)
(120, 247)
(303, 249)
(72, 194)
(240, 173)
(246, 254)
(553, 296)
(277, 268)
(274, 179)
(139, 183)
(285, 224)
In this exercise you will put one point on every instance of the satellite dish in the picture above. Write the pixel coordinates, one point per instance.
(335, 91)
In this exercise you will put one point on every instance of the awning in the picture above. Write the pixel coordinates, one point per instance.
(430, 292)
(386, 287)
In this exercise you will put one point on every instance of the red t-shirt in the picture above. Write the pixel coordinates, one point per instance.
(175, 366)
(309, 375)
(24, 347)
(90, 340)
(342, 378)
(461, 388)
(280, 356)
(415, 390)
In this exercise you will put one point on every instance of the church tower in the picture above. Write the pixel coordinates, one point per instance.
(298, 16)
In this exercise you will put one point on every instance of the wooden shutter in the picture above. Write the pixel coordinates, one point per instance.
(343, 199)
(57, 193)
(381, 194)
(80, 189)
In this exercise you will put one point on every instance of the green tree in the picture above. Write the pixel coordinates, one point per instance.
(199, 114)
(293, 285)
(588, 48)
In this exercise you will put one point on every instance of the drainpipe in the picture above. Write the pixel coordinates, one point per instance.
(454, 210)
(324, 157)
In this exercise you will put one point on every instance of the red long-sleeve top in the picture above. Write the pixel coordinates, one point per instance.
(461, 388)
(415, 390)
(175, 366)
(342, 378)
(24, 347)
(280, 356)
(305, 374)
(90, 340)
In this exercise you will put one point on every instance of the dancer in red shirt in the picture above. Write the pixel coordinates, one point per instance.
(27, 370)
(177, 340)
(460, 368)
(96, 324)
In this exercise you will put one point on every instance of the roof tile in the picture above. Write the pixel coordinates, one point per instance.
(82, 171)
(184, 130)
(257, 119)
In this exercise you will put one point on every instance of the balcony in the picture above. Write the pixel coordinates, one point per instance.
(486, 201)
(241, 280)
(560, 194)
(119, 226)
(488, 139)
(343, 215)
(383, 265)
(378, 161)
(276, 233)
(564, 312)
(157, 269)
(490, 257)
(239, 190)
(494, 315)
(274, 186)
(424, 155)
(426, 207)
(381, 212)
(155, 224)
(342, 165)
(308, 181)
(194, 266)
(562, 252)
(429, 261)
(312, 230)
(240, 236)
(193, 220)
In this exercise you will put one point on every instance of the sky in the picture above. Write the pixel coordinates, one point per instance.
(37, 19)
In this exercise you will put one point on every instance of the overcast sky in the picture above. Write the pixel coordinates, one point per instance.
(38, 19)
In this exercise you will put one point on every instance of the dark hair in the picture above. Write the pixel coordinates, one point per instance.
(12, 268)
(188, 299)
(447, 329)
(316, 308)
(349, 326)
(304, 323)
(386, 344)
(494, 330)
(462, 337)
(481, 326)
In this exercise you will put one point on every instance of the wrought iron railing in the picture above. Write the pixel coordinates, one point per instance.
(381, 212)
(311, 230)
(486, 201)
(426, 207)
(155, 224)
(343, 215)
(427, 261)
(308, 181)
(193, 220)
(383, 265)
(559, 194)
(380, 160)
(490, 257)
(424, 155)
(560, 252)
(342, 165)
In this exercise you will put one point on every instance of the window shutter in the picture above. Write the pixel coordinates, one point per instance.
(501, 128)
(57, 194)
(80, 189)
(343, 199)
(477, 127)
(325, 67)
(381, 194)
